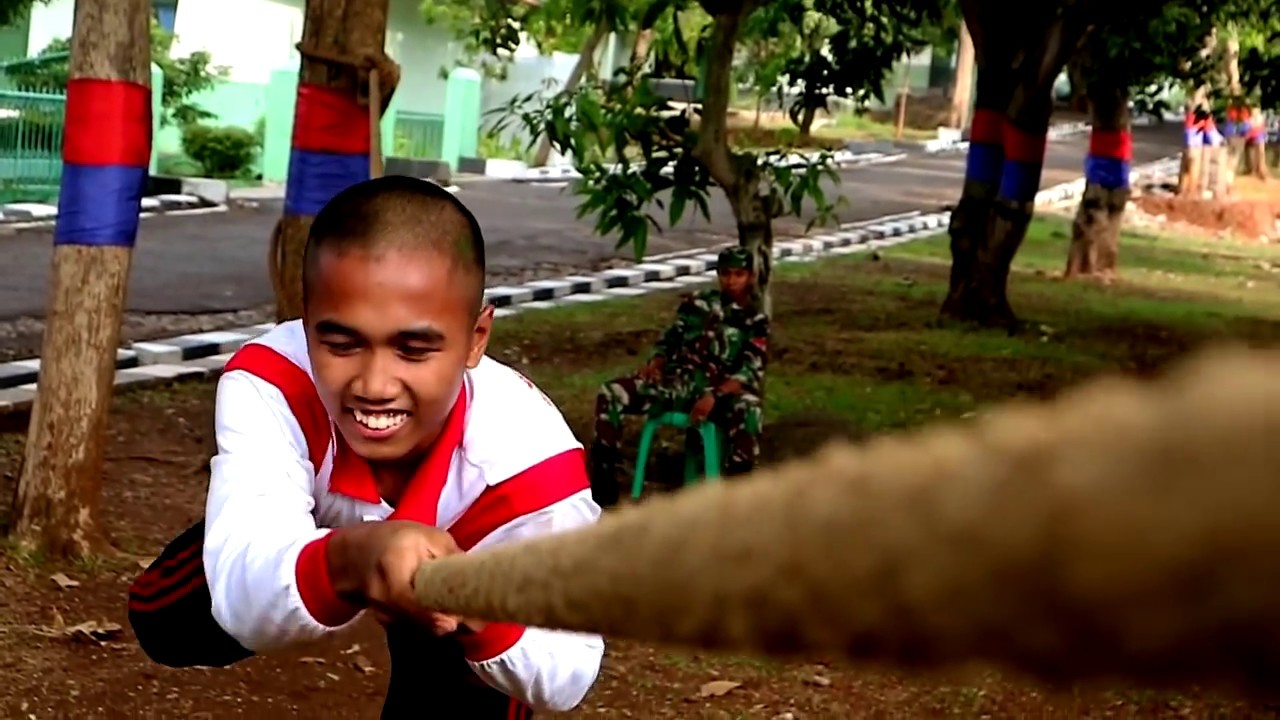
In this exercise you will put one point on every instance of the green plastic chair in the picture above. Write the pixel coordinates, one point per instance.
(711, 444)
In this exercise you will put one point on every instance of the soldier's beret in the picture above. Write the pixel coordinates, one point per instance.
(734, 257)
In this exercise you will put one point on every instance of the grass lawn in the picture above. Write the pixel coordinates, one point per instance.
(855, 351)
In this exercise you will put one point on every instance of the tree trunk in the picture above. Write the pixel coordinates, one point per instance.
(962, 87)
(807, 117)
(1095, 234)
(986, 233)
(640, 51)
(1079, 101)
(1191, 170)
(1256, 146)
(754, 214)
(754, 206)
(586, 60)
(1192, 173)
(971, 217)
(108, 124)
(1229, 158)
(340, 28)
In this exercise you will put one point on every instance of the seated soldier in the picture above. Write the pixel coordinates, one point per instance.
(709, 363)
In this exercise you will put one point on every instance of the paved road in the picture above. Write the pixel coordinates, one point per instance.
(216, 263)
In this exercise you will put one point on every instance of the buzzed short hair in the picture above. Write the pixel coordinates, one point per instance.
(395, 212)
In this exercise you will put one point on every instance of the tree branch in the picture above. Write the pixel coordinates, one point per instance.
(1061, 41)
(713, 142)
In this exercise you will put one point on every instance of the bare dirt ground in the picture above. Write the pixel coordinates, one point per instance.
(1251, 214)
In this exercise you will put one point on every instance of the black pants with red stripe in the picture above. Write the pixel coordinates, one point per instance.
(170, 611)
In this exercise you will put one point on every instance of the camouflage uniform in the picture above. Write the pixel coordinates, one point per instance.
(712, 340)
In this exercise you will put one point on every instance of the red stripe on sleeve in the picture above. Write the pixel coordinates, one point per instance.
(1022, 146)
(315, 587)
(987, 127)
(537, 488)
(299, 391)
(1117, 144)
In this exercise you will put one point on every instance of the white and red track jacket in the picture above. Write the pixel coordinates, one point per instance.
(506, 467)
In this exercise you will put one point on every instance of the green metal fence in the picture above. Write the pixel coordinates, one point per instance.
(31, 127)
(418, 136)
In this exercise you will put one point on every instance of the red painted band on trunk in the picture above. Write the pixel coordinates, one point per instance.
(108, 122)
(987, 127)
(1116, 144)
(332, 121)
(1022, 146)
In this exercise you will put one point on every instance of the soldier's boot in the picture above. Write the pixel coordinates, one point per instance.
(604, 474)
(742, 454)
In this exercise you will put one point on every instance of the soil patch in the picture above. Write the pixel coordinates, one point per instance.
(1252, 214)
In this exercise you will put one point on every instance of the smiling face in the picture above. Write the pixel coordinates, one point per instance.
(390, 335)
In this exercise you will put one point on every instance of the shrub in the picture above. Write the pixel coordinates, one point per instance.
(222, 152)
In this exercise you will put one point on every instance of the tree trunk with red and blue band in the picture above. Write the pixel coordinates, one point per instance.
(330, 148)
(985, 161)
(106, 157)
(106, 154)
(1110, 158)
(1095, 233)
(1201, 132)
(1023, 164)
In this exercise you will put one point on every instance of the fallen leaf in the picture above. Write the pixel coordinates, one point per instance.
(819, 680)
(362, 664)
(91, 631)
(98, 632)
(63, 581)
(311, 660)
(716, 688)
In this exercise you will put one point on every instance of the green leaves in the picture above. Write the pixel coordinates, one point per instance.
(184, 77)
(636, 155)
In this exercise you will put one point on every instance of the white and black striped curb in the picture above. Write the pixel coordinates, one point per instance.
(840, 159)
(202, 354)
(20, 216)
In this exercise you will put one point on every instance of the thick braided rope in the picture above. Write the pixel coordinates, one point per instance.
(1125, 529)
